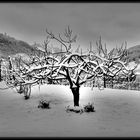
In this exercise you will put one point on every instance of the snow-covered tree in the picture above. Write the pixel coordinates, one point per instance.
(112, 63)
(78, 68)
(74, 67)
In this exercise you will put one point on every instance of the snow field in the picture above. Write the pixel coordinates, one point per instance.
(117, 113)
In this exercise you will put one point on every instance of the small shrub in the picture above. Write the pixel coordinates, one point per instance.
(44, 104)
(26, 97)
(76, 109)
(89, 108)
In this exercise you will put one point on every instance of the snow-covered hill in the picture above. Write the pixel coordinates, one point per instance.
(11, 46)
(134, 53)
(117, 113)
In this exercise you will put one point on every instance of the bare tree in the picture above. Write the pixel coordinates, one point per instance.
(113, 62)
(79, 68)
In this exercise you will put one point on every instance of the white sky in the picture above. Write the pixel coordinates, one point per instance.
(115, 22)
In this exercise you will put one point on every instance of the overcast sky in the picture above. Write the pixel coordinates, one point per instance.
(115, 22)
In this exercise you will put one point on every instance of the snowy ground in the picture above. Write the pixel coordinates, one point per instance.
(117, 113)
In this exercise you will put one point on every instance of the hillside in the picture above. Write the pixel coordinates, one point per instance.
(134, 53)
(11, 46)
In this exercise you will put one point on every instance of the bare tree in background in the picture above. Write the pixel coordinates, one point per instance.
(113, 64)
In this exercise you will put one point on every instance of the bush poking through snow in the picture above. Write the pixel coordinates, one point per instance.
(76, 109)
(44, 104)
(26, 97)
(89, 108)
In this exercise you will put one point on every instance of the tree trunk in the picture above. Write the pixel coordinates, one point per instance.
(20, 89)
(112, 82)
(75, 92)
(0, 72)
(27, 91)
(104, 82)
